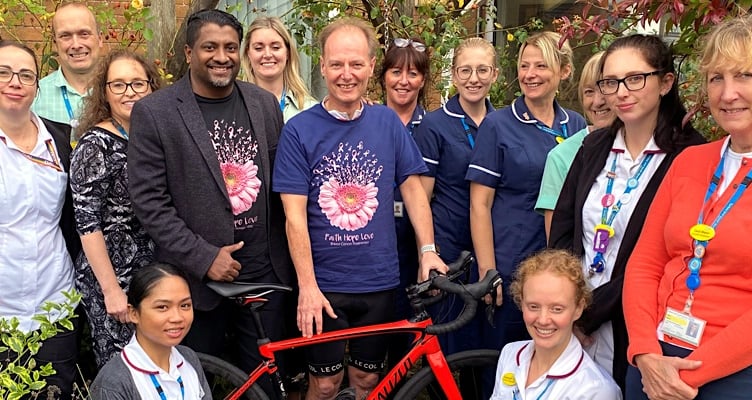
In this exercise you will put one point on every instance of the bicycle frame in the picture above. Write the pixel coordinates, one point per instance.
(423, 345)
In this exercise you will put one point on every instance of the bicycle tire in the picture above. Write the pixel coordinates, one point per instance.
(470, 365)
(224, 377)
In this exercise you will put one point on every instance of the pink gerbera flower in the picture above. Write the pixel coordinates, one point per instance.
(242, 184)
(348, 206)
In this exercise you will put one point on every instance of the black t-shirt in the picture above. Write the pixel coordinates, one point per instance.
(229, 127)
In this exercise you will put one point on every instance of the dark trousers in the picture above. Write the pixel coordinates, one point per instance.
(61, 350)
(229, 332)
(736, 386)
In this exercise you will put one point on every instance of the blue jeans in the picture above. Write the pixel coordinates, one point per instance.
(736, 386)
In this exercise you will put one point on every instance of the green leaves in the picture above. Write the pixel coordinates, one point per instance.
(22, 375)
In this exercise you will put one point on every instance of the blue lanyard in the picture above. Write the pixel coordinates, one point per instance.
(470, 138)
(693, 280)
(119, 128)
(540, 396)
(160, 391)
(282, 100)
(558, 136)
(604, 230)
(68, 108)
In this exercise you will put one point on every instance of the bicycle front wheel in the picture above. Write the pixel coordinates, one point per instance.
(467, 367)
(224, 377)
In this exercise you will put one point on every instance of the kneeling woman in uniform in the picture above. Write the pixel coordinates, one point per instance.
(550, 289)
(152, 365)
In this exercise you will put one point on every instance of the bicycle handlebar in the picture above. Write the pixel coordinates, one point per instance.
(470, 294)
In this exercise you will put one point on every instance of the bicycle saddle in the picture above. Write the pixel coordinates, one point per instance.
(245, 289)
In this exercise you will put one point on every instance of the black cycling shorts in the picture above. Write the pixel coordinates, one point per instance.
(353, 310)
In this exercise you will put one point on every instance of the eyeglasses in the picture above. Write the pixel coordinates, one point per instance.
(465, 72)
(138, 86)
(402, 43)
(631, 82)
(26, 77)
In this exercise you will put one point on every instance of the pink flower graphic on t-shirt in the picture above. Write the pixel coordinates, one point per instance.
(346, 179)
(348, 206)
(242, 184)
(236, 151)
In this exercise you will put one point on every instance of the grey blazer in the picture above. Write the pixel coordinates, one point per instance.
(177, 189)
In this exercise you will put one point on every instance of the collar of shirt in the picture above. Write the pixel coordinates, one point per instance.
(417, 117)
(57, 79)
(566, 365)
(453, 108)
(142, 367)
(525, 116)
(341, 115)
(620, 146)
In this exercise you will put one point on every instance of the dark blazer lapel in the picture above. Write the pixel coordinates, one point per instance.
(196, 125)
(259, 130)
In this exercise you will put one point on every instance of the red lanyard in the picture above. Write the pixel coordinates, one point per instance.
(54, 163)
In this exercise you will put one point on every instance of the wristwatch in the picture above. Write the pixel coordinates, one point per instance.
(429, 247)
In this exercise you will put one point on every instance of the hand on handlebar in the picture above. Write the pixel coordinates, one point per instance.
(430, 261)
(311, 304)
(488, 299)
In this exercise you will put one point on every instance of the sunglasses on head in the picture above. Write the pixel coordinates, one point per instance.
(402, 43)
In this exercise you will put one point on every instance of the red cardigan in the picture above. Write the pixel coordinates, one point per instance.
(657, 269)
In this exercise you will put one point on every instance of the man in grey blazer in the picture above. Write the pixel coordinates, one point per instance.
(200, 159)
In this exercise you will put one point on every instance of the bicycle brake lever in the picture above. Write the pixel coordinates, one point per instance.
(491, 308)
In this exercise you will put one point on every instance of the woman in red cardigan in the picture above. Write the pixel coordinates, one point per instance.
(688, 284)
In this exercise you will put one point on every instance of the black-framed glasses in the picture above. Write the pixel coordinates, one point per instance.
(402, 43)
(465, 72)
(138, 86)
(25, 76)
(631, 82)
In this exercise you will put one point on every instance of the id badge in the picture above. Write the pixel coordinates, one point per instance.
(399, 208)
(683, 326)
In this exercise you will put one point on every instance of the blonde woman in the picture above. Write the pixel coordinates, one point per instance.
(505, 172)
(270, 60)
(446, 138)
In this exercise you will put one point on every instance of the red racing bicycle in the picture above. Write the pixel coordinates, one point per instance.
(455, 377)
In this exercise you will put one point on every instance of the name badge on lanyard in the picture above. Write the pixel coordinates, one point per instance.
(683, 326)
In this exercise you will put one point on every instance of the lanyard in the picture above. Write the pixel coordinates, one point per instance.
(560, 137)
(540, 396)
(160, 391)
(282, 100)
(702, 233)
(604, 231)
(470, 138)
(119, 128)
(66, 100)
(54, 163)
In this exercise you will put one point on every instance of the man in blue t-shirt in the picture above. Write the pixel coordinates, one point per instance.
(336, 166)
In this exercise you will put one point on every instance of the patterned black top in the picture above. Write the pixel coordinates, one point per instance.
(99, 181)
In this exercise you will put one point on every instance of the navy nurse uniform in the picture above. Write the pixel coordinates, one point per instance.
(509, 156)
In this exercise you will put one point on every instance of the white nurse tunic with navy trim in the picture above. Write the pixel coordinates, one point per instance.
(574, 376)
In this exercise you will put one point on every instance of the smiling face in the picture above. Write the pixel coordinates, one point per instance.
(76, 39)
(268, 54)
(16, 97)
(538, 80)
(164, 316)
(214, 60)
(549, 309)
(634, 106)
(125, 70)
(403, 86)
(596, 109)
(730, 100)
(474, 89)
(346, 67)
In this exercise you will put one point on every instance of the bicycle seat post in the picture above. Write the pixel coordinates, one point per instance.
(260, 331)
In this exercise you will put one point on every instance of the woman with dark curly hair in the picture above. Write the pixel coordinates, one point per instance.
(114, 242)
